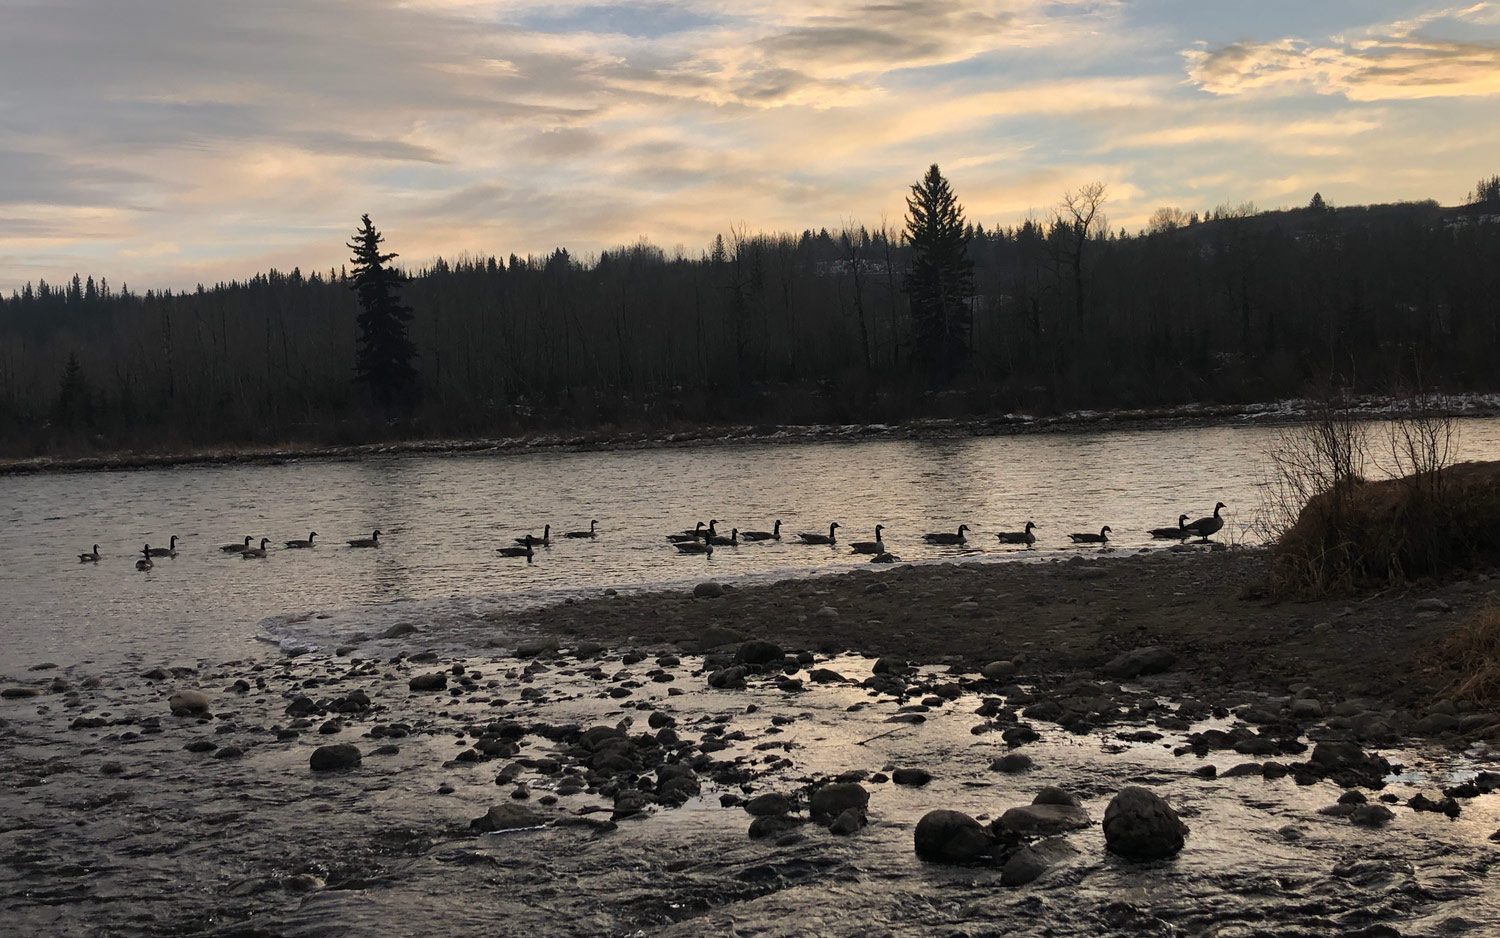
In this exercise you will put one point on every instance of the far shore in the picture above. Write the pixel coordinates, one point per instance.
(1277, 413)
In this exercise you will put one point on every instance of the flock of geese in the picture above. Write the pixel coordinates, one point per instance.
(703, 538)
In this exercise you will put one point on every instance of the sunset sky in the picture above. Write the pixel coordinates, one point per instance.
(167, 142)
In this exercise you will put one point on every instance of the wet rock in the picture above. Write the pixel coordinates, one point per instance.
(630, 804)
(889, 665)
(536, 646)
(1052, 811)
(825, 676)
(850, 821)
(1243, 769)
(728, 678)
(1372, 815)
(998, 671)
(1306, 708)
(588, 649)
(708, 589)
(757, 651)
(769, 803)
(186, 702)
(1139, 825)
(398, 630)
(1020, 735)
(229, 752)
(1012, 763)
(1140, 662)
(913, 777)
(827, 613)
(340, 756)
(1347, 765)
(506, 817)
(1447, 806)
(717, 636)
(1033, 860)
(437, 680)
(774, 825)
(834, 799)
(1206, 771)
(201, 745)
(945, 836)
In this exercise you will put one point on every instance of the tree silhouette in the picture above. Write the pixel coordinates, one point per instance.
(940, 280)
(384, 353)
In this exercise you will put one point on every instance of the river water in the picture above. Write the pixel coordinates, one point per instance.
(112, 827)
(441, 518)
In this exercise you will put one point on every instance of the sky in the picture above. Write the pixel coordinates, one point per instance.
(165, 143)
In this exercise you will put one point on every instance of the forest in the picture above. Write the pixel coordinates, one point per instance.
(1058, 313)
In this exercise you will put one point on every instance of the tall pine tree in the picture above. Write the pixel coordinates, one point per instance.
(940, 281)
(384, 353)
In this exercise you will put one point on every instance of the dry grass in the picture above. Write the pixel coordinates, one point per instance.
(1474, 652)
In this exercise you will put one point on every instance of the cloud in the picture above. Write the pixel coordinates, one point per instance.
(1393, 62)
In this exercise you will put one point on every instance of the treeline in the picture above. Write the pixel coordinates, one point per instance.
(1235, 306)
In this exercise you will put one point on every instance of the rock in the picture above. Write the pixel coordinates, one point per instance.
(825, 676)
(1041, 820)
(951, 837)
(771, 802)
(708, 589)
(398, 630)
(717, 636)
(998, 671)
(773, 825)
(1139, 825)
(1306, 708)
(1012, 763)
(1432, 604)
(328, 758)
(438, 680)
(1019, 735)
(913, 777)
(1348, 765)
(506, 817)
(889, 665)
(1244, 768)
(756, 651)
(186, 702)
(16, 693)
(834, 799)
(1035, 859)
(827, 613)
(1142, 661)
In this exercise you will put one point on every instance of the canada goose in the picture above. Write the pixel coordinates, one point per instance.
(1203, 527)
(686, 536)
(306, 543)
(589, 533)
(145, 562)
(772, 535)
(1178, 532)
(371, 541)
(1100, 538)
(876, 546)
(172, 551)
(256, 552)
(695, 547)
(545, 540)
(90, 557)
(946, 538)
(733, 540)
(236, 548)
(525, 551)
(829, 538)
(1019, 537)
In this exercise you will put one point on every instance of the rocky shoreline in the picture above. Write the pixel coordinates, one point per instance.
(822, 756)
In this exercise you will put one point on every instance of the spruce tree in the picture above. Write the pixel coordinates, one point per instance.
(940, 281)
(384, 353)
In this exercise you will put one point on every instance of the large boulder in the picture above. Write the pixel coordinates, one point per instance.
(832, 800)
(1052, 811)
(506, 817)
(329, 758)
(1348, 765)
(756, 651)
(437, 680)
(951, 837)
(1139, 825)
(1141, 661)
(186, 702)
(1035, 859)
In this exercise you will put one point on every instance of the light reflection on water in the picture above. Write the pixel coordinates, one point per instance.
(442, 516)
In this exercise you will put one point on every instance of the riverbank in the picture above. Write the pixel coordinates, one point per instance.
(1163, 418)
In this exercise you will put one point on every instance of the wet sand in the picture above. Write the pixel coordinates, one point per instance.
(624, 751)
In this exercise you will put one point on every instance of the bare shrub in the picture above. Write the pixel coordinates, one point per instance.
(1474, 652)
(1421, 441)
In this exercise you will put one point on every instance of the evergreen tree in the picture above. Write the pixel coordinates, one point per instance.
(940, 281)
(384, 352)
(73, 406)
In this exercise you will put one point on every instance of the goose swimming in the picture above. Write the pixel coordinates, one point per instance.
(876, 546)
(256, 552)
(306, 543)
(236, 548)
(525, 551)
(1100, 538)
(686, 536)
(166, 551)
(733, 540)
(946, 538)
(90, 557)
(589, 533)
(545, 540)
(772, 535)
(1178, 532)
(1203, 527)
(371, 541)
(1018, 537)
(695, 547)
(829, 538)
(145, 562)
